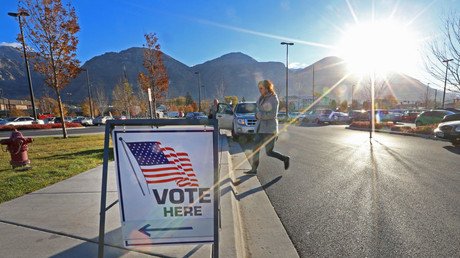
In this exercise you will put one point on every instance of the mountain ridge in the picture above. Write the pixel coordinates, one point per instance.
(234, 73)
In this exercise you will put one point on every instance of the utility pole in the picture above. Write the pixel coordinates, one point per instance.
(29, 79)
(287, 74)
(313, 88)
(89, 93)
(199, 91)
(435, 94)
(426, 97)
(352, 92)
(445, 80)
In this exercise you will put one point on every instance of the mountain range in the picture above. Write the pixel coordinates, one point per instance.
(231, 74)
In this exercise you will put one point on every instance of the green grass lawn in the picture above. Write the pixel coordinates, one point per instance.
(53, 159)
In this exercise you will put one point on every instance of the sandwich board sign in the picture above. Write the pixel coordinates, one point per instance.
(166, 180)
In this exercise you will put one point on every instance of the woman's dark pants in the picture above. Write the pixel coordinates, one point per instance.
(268, 139)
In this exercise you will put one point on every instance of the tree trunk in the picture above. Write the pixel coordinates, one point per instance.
(61, 112)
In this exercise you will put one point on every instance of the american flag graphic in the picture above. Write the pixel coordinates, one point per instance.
(163, 164)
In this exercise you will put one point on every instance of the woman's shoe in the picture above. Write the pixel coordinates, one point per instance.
(286, 162)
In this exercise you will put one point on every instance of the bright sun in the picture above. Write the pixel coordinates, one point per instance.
(379, 47)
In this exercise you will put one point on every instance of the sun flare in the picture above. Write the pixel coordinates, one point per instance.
(379, 47)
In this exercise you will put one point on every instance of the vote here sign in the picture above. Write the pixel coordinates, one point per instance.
(165, 185)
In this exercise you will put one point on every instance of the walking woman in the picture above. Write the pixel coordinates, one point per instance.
(267, 125)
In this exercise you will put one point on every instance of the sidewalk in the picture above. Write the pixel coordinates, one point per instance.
(62, 220)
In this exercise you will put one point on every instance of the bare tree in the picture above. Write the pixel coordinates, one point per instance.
(102, 101)
(220, 93)
(51, 28)
(123, 97)
(445, 48)
(380, 88)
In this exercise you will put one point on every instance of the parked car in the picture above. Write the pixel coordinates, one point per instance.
(101, 120)
(314, 115)
(244, 119)
(409, 116)
(196, 115)
(333, 118)
(67, 119)
(22, 120)
(50, 120)
(358, 115)
(86, 121)
(395, 115)
(431, 117)
(45, 116)
(282, 115)
(449, 131)
(453, 117)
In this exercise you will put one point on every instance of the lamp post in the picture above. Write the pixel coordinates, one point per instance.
(313, 83)
(199, 91)
(352, 94)
(426, 97)
(287, 70)
(435, 95)
(89, 93)
(445, 80)
(32, 99)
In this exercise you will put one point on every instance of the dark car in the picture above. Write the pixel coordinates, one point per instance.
(431, 117)
(453, 117)
(449, 131)
(358, 115)
(409, 116)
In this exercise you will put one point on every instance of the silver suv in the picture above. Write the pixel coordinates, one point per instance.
(241, 120)
(244, 119)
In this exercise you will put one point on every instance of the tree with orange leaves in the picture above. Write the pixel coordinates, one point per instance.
(156, 77)
(51, 29)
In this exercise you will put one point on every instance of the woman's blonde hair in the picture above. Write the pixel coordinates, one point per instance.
(268, 85)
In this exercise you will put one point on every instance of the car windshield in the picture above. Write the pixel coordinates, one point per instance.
(246, 108)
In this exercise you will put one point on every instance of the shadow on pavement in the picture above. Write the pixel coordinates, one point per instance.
(453, 149)
(229, 188)
(90, 249)
(258, 189)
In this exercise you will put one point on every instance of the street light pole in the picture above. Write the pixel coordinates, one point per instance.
(313, 88)
(287, 71)
(352, 95)
(435, 95)
(426, 97)
(199, 91)
(445, 80)
(32, 98)
(89, 93)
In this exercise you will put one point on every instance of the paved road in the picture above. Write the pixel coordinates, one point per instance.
(342, 196)
(57, 132)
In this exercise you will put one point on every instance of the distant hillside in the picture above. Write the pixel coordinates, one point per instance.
(231, 74)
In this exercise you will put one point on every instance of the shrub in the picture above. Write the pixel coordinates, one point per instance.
(425, 130)
(36, 126)
(366, 125)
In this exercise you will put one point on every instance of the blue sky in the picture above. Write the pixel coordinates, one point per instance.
(197, 31)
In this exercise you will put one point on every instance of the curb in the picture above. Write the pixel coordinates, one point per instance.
(261, 232)
(431, 137)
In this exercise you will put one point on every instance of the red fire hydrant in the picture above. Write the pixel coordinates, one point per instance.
(17, 145)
